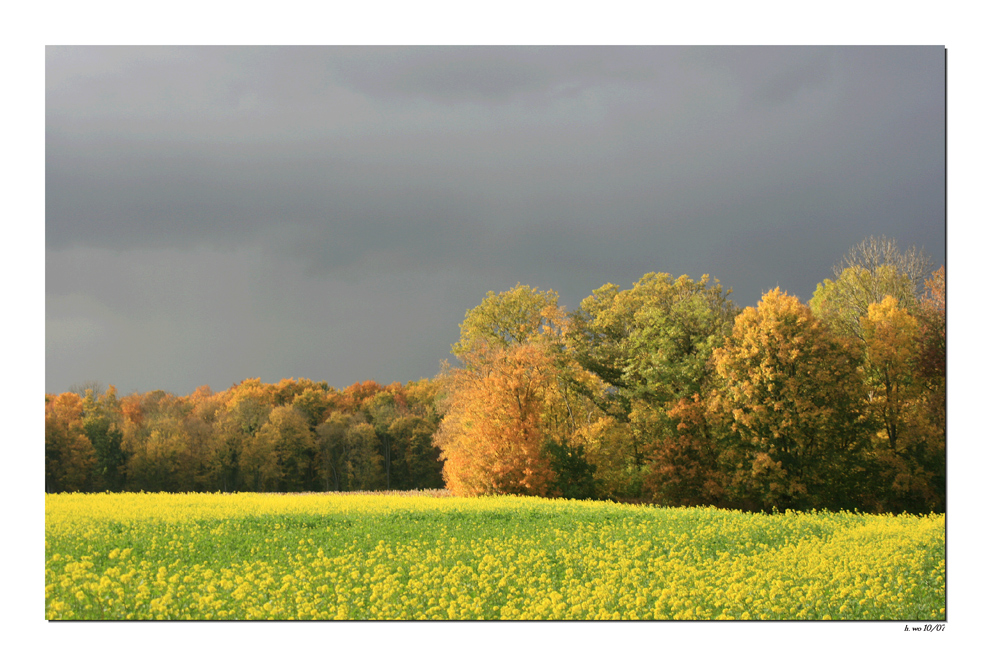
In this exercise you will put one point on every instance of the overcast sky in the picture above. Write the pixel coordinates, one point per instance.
(216, 214)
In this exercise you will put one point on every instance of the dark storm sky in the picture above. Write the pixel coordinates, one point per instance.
(215, 214)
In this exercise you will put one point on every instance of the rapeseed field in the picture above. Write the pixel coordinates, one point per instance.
(268, 556)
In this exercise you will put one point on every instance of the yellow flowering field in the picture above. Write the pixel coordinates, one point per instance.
(318, 556)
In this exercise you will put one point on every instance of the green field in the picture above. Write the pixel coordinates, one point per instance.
(267, 556)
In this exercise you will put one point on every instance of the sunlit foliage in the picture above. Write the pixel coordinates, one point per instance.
(665, 392)
(69, 454)
(515, 405)
(793, 392)
(909, 420)
(651, 346)
(295, 435)
(491, 438)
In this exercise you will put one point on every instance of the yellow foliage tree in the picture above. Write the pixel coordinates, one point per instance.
(909, 443)
(793, 393)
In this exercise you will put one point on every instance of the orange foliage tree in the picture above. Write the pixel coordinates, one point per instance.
(685, 467)
(491, 436)
(511, 412)
(69, 454)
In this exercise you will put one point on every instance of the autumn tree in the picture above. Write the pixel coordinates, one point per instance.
(931, 316)
(241, 412)
(685, 468)
(868, 273)
(611, 447)
(202, 411)
(910, 442)
(331, 441)
(97, 388)
(933, 329)
(412, 417)
(156, 443)
(651, 346)
(895, 320)
(312, 403)
(422, 396)
(353, 397)
(349, 457)
(416, 461)
(259, 463)
(364, 466)
(491, 436)
(287, 390)
(248, 410)
(874, 253)
(280, 456)
(169, 441)
(69, 454)
(795, 397)
(382, 410)
(890, 334)
(932, 321)
(510, 410)
(293, 435)
(221, 456)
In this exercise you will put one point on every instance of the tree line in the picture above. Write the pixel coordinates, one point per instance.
(293, 436)
(669, 393)
(666, 392)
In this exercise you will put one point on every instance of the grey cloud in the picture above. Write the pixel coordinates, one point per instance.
(768, 75)
(492, 75)
(265, 196)
(177, 320)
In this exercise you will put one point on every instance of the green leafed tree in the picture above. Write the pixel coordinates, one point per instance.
(416, 463)
(868, 273)
(651, 346)
(102, 424)
(517, 316)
